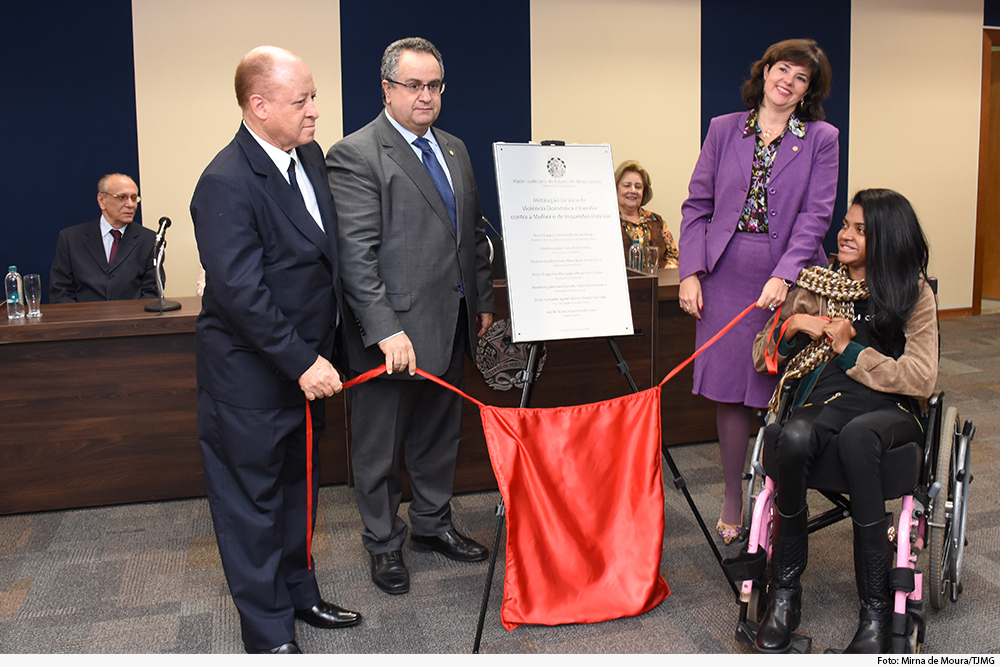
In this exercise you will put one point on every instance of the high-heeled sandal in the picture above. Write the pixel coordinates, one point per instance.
(727, 532)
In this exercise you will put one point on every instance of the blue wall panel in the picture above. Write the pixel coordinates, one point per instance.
(735, 34)
(991, 13)
(68, 118)
(486, 51)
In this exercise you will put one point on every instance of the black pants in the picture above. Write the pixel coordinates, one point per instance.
(255, 477)
(865, 422)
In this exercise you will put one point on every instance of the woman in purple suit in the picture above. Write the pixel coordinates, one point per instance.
(759, 205)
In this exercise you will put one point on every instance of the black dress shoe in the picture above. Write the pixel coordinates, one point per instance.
(452, 544)
(326, 615)
(290, 647)
(389, 573)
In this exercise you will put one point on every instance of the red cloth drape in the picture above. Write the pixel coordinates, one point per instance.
(583, 490)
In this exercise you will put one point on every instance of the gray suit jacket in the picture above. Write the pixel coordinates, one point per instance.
(402, 264)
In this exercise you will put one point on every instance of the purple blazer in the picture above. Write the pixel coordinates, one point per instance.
(800, 196)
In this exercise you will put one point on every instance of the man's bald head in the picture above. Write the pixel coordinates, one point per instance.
(255, 73)
(275, 89)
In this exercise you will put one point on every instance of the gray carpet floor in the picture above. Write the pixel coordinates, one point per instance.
(147, 578)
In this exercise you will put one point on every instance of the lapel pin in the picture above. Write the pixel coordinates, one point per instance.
(795, 148)
(451, 153)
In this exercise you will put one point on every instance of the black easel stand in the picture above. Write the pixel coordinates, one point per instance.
(529, 379)
(530, 373)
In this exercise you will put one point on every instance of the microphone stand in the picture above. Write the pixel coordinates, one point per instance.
(161, 306)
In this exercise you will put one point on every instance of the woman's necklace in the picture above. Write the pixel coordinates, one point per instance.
(768, 133)
(638, 217)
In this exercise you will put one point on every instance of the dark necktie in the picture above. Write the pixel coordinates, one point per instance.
(439, 177)
(291, 178)
(114, 245)
(294, 182)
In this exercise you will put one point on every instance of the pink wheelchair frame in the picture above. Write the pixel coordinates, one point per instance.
(935, 511)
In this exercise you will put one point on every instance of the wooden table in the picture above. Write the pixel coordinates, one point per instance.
(100, 399)
(100, 408)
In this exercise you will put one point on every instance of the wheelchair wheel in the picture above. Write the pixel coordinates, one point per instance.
(960, 512)
(758, 602)
(754, 482)
(916, 625)
(941, 524)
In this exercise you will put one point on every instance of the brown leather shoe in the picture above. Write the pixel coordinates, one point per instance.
(452, 544)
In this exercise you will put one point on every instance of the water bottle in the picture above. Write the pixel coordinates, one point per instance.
(652, 259)
(15, 294)
(636, 258)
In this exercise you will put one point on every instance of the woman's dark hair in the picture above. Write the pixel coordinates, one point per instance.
(896, 257)
(801, 52)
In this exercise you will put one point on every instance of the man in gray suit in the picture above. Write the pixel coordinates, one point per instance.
(418, 289)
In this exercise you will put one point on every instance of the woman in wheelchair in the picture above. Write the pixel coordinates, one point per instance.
(862, 336)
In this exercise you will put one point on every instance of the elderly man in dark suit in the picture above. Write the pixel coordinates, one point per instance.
(267, 236)
(107, 259)
(418, 288)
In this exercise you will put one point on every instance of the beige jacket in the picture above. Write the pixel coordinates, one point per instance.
(913, 374)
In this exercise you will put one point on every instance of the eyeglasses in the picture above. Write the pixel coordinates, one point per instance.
(434, 87)
(135, 199)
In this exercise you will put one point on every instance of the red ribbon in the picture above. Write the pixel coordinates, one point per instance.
(379, 370)
(769, 361)
(709, 343)
(772, 362)
(309, 485)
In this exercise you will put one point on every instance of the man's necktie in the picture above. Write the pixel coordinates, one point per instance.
(291, 178)
(294, 182)
(114, 245)
(439, 177)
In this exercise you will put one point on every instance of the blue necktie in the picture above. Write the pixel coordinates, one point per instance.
(439, 177)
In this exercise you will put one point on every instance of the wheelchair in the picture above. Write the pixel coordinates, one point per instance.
(931, 477)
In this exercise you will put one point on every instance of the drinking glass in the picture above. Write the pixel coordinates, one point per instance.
(33, 294)
(652, 259)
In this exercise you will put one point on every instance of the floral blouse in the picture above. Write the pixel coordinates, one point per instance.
(754, 217)
(650, 229)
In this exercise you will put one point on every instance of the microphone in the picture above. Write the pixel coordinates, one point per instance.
(495, 230)
(497, 259)
(164, 223)
(160, 306)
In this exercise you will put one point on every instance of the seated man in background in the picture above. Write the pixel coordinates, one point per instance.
(106, 259)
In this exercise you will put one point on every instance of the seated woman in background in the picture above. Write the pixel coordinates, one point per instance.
(634, 191)
(868, 362)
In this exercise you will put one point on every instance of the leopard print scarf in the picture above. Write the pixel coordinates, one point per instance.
(841, 293)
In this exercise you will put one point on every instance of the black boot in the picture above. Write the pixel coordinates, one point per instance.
(873, 558)
(789, 556)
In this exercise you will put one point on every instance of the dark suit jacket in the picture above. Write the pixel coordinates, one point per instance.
(401, 260)
(272, 289)
(800, 196)
(80, 270)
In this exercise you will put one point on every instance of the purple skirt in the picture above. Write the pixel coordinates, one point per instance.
(724, 372)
